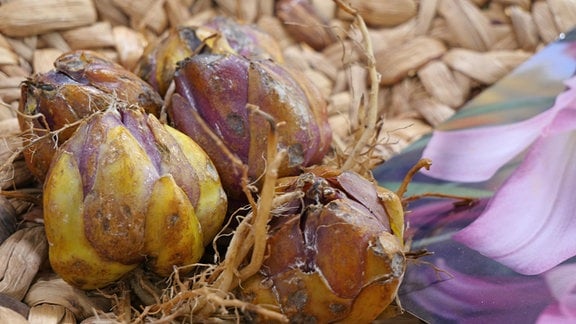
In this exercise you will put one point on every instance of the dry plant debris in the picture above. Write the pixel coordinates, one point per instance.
(431, 56)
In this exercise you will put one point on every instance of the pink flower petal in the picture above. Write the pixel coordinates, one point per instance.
(563, 122)
(553, 315)
(463, 298)
(529, 225)
(562, 284)
(474, 155)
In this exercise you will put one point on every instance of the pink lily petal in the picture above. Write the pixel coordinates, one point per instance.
(474, 155)
(563, 122)
(471, 299)
(553, 315)
(529, 225)
(562, 284)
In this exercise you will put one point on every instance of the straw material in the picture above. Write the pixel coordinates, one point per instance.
(13, 172)
(524, 27)
(564, 13)
(432, 57)
(10, 316)
(408, 58)
(8, 219)
(544, 21)
(467, 23)
(22, 253)
(50, 314)
(50, 296)
(32, 17)
(439, 80)
(388, 13)
(76, 38)
(494, 64)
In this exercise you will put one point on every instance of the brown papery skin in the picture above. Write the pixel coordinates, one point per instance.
(331, 256)
(218, 35)
(81, 83)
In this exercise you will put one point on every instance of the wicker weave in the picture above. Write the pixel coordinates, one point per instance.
(432, 55)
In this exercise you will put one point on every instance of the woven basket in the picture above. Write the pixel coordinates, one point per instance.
(432, 56)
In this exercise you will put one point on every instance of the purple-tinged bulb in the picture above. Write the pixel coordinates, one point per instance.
(219, 35)
(215, 90)
(82, 83)
(125, 190)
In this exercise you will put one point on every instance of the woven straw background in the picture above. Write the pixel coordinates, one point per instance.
(432, 55)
